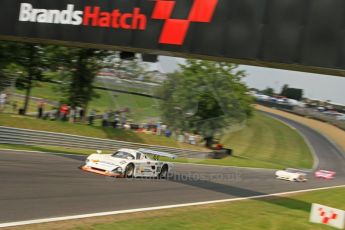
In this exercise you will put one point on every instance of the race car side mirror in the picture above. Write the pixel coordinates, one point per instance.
(99, 151)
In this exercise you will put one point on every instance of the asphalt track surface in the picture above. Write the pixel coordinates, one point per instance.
(41, 185)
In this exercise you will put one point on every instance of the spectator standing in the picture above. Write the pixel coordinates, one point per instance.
(192, 139)
(54, 114)
(208, 141)
(186, 137)
(168, 133)
(105, 119)
(81, 114)
(61, 112)
(158, 128)
(92, 116)
(72, 115)
(145, 126)
(127, 126)
(64, 112)
(116, 120)
(163, 128)
(40, 109)
(180, 138)
(219, 146)
(123, 119)
(14, 106)
(3, 97)
(77, 114)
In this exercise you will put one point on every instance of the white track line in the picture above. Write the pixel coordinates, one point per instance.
(99, 214)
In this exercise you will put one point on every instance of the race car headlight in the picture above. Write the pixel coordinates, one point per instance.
(118, 170)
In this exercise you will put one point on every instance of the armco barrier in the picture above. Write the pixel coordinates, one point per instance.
(32, 137)
(308, 112)
(305, 112)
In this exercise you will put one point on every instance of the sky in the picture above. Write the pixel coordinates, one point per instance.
(315, 86)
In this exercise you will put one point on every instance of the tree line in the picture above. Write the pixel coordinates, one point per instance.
(203, 97)
(27, 63)
(286, 91)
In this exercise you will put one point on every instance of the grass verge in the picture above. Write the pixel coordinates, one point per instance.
(283, 213)
(267, 139)
(263, 143)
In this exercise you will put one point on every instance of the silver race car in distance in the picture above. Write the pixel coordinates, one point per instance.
(129, 163)
(291, 175)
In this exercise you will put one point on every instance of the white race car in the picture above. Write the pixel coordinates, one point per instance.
(129, 163)
(291, 175)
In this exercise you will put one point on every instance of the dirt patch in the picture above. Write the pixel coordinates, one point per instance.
(335, 134)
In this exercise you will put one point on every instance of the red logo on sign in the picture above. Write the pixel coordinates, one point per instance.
(327, 218)
(175, 30)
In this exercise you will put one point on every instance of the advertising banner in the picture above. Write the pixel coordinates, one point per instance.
(307, 34)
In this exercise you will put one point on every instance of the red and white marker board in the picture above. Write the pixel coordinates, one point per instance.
(321, 214)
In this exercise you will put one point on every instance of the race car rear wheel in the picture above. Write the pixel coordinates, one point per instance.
(129, 172)
(164, 172)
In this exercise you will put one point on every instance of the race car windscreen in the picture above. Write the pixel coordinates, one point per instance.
(123, 155)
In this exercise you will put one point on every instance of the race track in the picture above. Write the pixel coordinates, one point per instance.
(42, 185)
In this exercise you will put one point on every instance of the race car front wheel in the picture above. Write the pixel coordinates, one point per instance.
(129, 172)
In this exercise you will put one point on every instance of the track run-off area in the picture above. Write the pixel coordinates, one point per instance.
(38, 185)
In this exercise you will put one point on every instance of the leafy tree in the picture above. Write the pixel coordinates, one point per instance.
(27, 64)
(5, 78)
(205, 98)
(76, 69)
(9, 74)
(30, 59)
(284, 88)
(268, 91)
(292, 93)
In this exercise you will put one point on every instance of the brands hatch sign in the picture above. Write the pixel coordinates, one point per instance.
(303, 35)
(174, 30)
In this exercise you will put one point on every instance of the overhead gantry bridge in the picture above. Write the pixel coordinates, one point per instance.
(303, 35)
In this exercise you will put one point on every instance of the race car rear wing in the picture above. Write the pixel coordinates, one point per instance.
(156, 153)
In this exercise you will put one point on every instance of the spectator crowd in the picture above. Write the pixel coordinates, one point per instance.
(112, 119)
